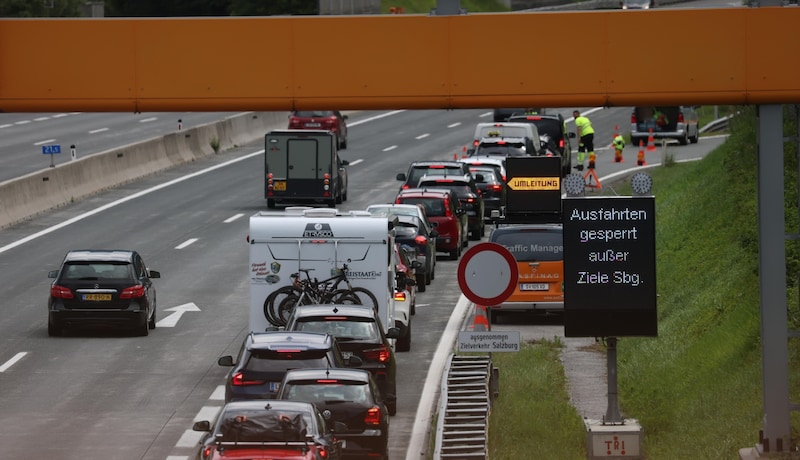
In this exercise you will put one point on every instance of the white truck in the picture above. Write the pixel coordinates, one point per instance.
(322, 240)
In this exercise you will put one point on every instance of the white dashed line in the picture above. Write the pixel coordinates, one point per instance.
(218, 394)
(189, 438)
(487, 114)
(422, 136)
(5, 126)
(147, 120)
(355, 162)
(41, 119)
(232, 218)
(44, 142)
(207, 413)
(95, 131)
(454, 125)
(392, 147)
(186, 243)
(177, 457)
(60, 115)
(13, 361)
(22, 122)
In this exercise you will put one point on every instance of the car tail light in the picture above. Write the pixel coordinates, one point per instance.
(377, 354)
(561, 143)
(447, 212)
(633, 118)
(400, 296)
(496, 188)
(329, 123)
(680, 117)
(470, 200)
(327, 381)
(504, 177)
(322, 451)
(445, 181)
(294, 123)
(132, 292)
(238, 380)
(60, 292)
(207, 452)
(373, 416)
(476, 142)
(533, 117)
(421, 240)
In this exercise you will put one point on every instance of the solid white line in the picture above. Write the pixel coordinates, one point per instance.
(232, 218)
(207, 413)
(186, 243)
(418, 445)
(44, 142)
(177, 457)
(95, 131)
(355, 162)
(391, 147)
(190, 438)
(422, 136)
(147, 120)
(22, 122)
(218, 394)
(454, 125)
(13, 361)
(41, 119)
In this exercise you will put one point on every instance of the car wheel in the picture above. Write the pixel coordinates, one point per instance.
(404, 342)
(392, 407)
(685, 139)
(143, 330)
(433, 273)
(344, 143)
(428, 279)
(696, 137)
(152, 323)
(53, 330)
(338, 199)
(475, 234)
(420, 283)
(344, 195)
(483, 229)
(270, 203)
(413, 309)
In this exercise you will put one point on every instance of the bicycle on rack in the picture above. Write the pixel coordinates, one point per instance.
(308, 291)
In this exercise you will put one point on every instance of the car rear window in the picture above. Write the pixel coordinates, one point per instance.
(343, 328)
(532, 245)
(317, 113)
(405, 229)
(550, 127)
(97, 270)
(501, 150)
(330, 391)
(417, 172)
(270, 361)
(434, 207)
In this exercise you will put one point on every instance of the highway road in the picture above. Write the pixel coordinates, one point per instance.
(93, 393)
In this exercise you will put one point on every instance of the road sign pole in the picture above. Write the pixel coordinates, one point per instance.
(612, 412)
(52, 161)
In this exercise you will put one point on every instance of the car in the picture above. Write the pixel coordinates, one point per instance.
(349, 397)
(407, 264)
(496, 162)
(328, 120)
(504, 147)
(264, 358)
(111, 287)
(418, 169)
(446, 211)
(261, 429)
(553, 131)
(504, 130)
(467, 192)
(679, 123)
(359, 331)
(637, 4)
(413, 232)
(492, 187)
(539, 252)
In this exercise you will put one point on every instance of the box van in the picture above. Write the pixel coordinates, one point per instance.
(303, 166)
(539, 252)
(666, 122)
(322, 241)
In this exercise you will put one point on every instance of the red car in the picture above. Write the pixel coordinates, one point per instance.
(329, 120)
(446, 211)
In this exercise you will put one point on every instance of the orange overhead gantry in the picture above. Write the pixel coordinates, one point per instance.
(550, 59)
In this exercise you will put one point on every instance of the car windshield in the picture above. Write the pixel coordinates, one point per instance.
(434, 207)
(314, 114)
(327, 393)
(532, 245)
(343, 328)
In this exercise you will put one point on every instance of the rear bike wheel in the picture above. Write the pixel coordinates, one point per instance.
(286, 308)
(356, 295)
(274, 301)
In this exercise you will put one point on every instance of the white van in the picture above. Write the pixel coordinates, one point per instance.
(517, 130)
(322, 241)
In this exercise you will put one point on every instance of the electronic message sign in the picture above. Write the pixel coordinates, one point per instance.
(609, 267)
(533, 185)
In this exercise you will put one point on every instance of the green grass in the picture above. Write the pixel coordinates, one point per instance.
(696, 389)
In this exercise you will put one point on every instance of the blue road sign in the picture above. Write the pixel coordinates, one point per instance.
(51, 149)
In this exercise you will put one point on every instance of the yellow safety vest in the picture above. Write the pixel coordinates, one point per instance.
(584, 125)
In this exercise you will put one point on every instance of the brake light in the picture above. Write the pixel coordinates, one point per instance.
(377, 354)
(373, 416)
(294, 123)
(470, 200)
(132, 292)
(207, 452)
(447, 211)
(327, 381)
(496, 188)
(447, 181)
(60, 292)
(532, 117)
(323, 451)
(504, 177)
(476, 142)
(421, 240)
(680, 117)
(436, 166)
(238, 380)
(561, 144)
(400, 296)
(633, 118)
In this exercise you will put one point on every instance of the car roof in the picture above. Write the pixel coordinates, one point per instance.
(276, 404)
(441, 177)
(435, 163)
(114, 255)
(549, 116)
(525, 227)
(301, 340)
(360, 375)
(483, 159)
(424, 192)
(358, 311)
(506, 140)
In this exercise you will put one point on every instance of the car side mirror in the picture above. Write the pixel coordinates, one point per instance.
(401, 176)
(434, 234)
(393, 333)
(345, 117)
(52, 273)
(479, 178)
(353, 361)
(470, 152)
(225, 361)
(153, 274)
(345, 162)
(571, 135)
(203, 425)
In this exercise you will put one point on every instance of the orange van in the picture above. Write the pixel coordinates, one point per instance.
(539, 251)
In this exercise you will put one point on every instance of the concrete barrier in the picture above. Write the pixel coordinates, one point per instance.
(50, 188)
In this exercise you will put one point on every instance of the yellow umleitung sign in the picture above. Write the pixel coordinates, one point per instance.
(535, 183)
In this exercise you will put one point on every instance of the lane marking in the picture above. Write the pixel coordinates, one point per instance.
(355, 162)
(232, 218)
(454, 125)
(422, 136)
(12, 361)
(186, 243)
(391, 147)
(147, 120)
(22, 122)
(207, 413)
(6, 126)
(218, 394)
(41, 119)
(95, 131)
(60, 115)
(44, 142)
(376, 117)
(190, 438)
(487, 114)
(172, 320)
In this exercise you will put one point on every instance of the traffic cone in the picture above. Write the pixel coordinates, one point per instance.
(640, 156)
(592, 157)
(651, 142)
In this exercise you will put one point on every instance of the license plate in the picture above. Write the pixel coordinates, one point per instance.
(313, 125)
(347, 354)
(534, 287)
(274, 387)
(279, 186)
(96, 297)
(471, 213)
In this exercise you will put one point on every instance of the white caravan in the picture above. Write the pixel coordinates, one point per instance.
(323, 241)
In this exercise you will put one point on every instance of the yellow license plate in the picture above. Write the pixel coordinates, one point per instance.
(279, 186)
(97, 297)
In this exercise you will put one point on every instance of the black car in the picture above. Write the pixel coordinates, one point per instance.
(492, 187)
(350, 397)
(102, 287)
(553, 129)
(505, 114)
(466, 190)
(360, 334)
(413, 232)
(269, 429)
(423, 168)
(265, 357)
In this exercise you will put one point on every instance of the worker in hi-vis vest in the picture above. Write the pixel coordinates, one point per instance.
(619, 144)
(586, 136)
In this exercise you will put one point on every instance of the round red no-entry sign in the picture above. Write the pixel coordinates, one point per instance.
(487, 274)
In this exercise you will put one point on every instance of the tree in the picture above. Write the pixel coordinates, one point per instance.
(40, 8)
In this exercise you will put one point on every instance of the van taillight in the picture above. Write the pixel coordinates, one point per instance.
(60, 292)
(373, 416)
(680, 117)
